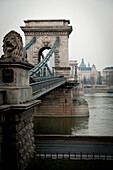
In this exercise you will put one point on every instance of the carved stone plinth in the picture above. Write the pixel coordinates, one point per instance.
(16, 110)
(14, 80)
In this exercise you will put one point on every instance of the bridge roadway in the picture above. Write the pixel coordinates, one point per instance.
(77, 144)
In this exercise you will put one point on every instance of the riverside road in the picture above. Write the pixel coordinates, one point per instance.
(66, 144)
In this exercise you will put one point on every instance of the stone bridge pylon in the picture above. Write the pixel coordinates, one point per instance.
(45, 33)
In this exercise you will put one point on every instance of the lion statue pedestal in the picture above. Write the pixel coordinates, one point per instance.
(14, 70)
(16, 105)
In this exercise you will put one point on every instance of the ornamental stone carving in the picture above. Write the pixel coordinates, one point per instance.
(46, 41)
(13, 47)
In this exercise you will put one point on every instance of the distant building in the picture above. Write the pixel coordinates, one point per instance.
(107, 76)
(87, 74)
(73, 72)
(99, 78)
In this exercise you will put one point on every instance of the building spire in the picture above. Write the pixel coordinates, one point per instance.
(82, 65)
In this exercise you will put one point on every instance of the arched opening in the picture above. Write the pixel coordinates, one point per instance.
(41, 52)
(48, 69)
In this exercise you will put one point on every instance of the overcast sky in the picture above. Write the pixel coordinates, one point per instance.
(92, 22)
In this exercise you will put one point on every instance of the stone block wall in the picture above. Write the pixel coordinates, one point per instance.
(62, 71)
(18, 146)
(1, 139)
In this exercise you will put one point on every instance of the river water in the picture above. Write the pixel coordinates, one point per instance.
(98, 123)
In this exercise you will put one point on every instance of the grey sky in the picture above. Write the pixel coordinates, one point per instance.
(92, 21)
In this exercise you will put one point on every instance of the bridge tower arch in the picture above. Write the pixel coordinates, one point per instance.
(48, 69)
(46, 32)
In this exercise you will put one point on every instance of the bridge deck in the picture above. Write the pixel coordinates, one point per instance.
(43, 86)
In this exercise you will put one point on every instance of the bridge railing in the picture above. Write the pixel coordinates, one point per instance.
(44, 82)
(74, 156)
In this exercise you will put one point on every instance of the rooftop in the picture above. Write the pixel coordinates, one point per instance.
(57, 22)
(47, 20)
(58, 25)
(108, 68)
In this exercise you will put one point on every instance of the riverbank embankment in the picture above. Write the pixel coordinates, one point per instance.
(97, 90)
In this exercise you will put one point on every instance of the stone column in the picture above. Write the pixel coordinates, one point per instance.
(16, 106)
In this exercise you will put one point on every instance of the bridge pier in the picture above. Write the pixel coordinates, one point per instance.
(16, 110)
(64, 101)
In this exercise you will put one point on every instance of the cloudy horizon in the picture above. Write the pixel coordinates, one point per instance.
(92, 22)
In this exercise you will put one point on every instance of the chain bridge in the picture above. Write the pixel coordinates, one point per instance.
(34, 81)
(51, 70)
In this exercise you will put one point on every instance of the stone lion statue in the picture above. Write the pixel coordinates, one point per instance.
(13, 46)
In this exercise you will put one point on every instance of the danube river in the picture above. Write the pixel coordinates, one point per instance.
(98, 123)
